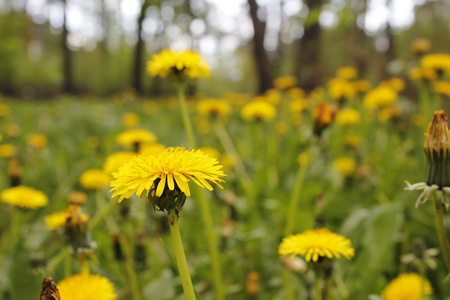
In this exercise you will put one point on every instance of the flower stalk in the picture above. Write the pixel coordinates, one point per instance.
(204, 204)
(440, 226)
(185, 115)
(183, 269)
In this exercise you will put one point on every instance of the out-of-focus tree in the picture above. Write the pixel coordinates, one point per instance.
(260, 55)
(139, 49)
(67, 58)
(308, 58)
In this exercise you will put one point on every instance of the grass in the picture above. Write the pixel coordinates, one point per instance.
(369, 207)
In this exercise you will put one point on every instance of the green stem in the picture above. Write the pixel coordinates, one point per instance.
(289, 293)
(67, 265)
(424, 100)
(238, 165)
(440, 226)
(131, 270)
(295, 197)
(183, 269)
(204, 204)
(106, 209)
(293, 203)
(317, 289)
(211, 240)
(185, 115)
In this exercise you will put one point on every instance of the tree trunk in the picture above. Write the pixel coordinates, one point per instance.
(67, 56)
(138, 52)
(389, 54)
(259, 53)
(308, 54)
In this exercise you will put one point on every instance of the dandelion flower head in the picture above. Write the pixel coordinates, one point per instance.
(419, 73)
(58, 219)
(93, 179)
(24, 197)
(178, 64)
(347, 73)
(339, 88)
(4, 110)
(131, 137)
(420, 45)
(285, 82)
(437, 61)
(258, 110)
(442, 87)
(7, 150)
(379, 97)
(130, 119)
(214, 107)
(316, 243)
(344, 165)
(116, 160)
(86, 287)
(348, 117)
(169, 168)
(408, 286)
(37, 141)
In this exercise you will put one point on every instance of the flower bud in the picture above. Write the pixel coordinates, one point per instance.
(437, 147)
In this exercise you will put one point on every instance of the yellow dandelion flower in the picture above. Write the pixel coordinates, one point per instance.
(407, 286)
(212, 152)
(339, 89)
(419, 73)
(347, 73)
(258, 110)
(227, 161)
(150, 148)
(135, 136)
(4, 110)
(298, 105)
(7, 150)
(272, 96)
(420, 45)
(168, 169)
(37, 141)
(285, 82)
(379, 97)
(59, 218)
(24, 197)
(86, 287)
(361, 86)
(389, 112)
(116, 160)
(214, 108)
(437, 61)
(179, 64)
(397, 84)
(130, 119)
(345, 166)
(56, 220)
(94, 179)
(296, 92)
(316, 243)
(12, 129)
(304, 158)
(353, 141)
(442, 87)
(348, 117)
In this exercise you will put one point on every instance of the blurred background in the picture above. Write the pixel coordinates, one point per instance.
(100, 47)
